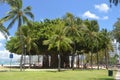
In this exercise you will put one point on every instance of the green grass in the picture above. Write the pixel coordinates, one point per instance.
(54, 75)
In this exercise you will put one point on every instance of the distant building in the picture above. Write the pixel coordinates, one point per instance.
(116, 50)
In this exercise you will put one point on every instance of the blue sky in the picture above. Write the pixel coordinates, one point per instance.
(85, 9)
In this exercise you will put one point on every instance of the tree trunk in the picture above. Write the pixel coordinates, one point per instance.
(106, 59)
(21, 41)
(82, 61)
(73, 54)
(38, 58)
(97, 61)
(49, 59)
(45, 61)
(78, 61)
(91, 60)
(29, 59)
(64, 60)
(21, 61)
(72, 62)
(62, 56)
(54, 60)
(59, 62)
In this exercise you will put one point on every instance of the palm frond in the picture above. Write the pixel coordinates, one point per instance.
(24, 19)
(30, 15)
(12, 22)
(4, 31)
(19, 2)
(27, 9)
(7, 18)
(4, 19)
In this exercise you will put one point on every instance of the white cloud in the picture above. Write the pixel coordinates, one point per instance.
(1, 36)
(105, 17)
(88, 14)
(1, 44)
(4, 54)
(8, 38)
(102, 7)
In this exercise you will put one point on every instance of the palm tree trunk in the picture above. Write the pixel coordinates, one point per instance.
(59, 61)
(73, 55)
(46, 61)
(49, 59)
(21, 61)
(91, 60)
(38, 58)
(97, 57)
(72, 62)
(21, 41)
(54, 60)
(29, 60)
(82, 61)
(106, 59)
(78, 61)
(97, 61)
(24, 56)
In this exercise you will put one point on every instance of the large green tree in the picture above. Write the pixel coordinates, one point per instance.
(59, 40)
(62, 36)
(13, 45)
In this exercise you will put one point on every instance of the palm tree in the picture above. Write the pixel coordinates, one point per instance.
(29, 41)
(59, 41)
(91, 34)
(106, 45)
(74, 25)
(96, 47)
(16, 13)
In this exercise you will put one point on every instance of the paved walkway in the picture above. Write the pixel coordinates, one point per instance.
(117, 77)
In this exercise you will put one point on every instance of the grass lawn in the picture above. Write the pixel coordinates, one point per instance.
(54, 75)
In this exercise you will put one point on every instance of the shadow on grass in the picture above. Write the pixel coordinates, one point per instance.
(3, 70)
(55, 71)
(103, 79)
(52, 71)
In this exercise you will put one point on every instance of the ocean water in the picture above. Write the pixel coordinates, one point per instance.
(8, 62)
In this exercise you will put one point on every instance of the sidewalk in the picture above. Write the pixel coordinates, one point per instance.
(117, 77)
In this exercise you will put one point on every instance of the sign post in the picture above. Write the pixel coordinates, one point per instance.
(11, 57)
